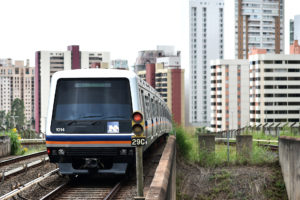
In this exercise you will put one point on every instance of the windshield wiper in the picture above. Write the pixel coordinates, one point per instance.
(71, 122)
(116, 116)
(91, 116)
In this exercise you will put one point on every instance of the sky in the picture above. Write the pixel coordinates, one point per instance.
(121, 27)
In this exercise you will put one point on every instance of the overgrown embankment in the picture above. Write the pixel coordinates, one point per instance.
(206, 176)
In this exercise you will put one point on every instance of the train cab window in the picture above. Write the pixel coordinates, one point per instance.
(87, 104)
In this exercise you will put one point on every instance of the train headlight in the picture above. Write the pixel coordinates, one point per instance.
(137, 123)
(61, 152)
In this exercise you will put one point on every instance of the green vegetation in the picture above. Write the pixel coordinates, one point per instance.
(276, 190)
(16, 147)
(15, 143)
(188, 147)
(15, 118)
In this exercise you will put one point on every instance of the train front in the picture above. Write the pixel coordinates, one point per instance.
(90, 123)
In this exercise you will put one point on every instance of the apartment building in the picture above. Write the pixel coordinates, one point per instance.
(260, 24)
(49, 62)
(206, 43)
(17, 81)
(295, 29)
(229, 94)
(274, 88)
(167, 77)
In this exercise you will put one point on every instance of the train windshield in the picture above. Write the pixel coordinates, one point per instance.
(91, 100)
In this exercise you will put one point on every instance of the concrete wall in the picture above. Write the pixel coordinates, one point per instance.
(4, 146)
(163, 185)
(289, 158)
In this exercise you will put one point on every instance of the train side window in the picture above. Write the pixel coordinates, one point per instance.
(152, 108)
(142, 101)
(146, 99)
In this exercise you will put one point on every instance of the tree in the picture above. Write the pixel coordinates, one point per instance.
(9, 123)
(17, 112)
(2, 118)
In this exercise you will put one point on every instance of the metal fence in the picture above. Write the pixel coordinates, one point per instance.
(273, 129)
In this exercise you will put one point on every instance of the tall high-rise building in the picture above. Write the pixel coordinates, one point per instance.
(295, 29)
(49, 62)
(206, 43)
(259, 24)
(17, 81)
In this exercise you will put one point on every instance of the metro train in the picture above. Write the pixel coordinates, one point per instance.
(89, 121)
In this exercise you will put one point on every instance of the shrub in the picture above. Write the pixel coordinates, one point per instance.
(14, 141)
(182, 141)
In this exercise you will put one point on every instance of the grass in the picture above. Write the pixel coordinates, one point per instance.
(34, 150)
(188, 147)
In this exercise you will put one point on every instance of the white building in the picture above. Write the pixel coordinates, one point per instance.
(274, 88)
(260, 24)
(229, 94)
(49, 62)
(206, 43)
(295, 29)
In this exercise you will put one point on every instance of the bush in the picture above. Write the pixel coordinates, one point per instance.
(14, 141)
(182, 141)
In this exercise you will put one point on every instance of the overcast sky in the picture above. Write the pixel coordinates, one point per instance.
(122, 27)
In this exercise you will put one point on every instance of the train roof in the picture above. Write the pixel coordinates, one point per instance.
(82, 73)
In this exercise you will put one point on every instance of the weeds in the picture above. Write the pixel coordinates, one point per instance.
(189, 148)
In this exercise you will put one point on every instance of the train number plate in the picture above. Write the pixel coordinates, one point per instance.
(138, 141)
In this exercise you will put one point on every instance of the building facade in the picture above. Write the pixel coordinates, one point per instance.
(295, 29)
(229, 94)
(49, 62)
(274, 88)
(167, 77)
(260, 24)
(17, 81)
(119, 64)
(206, 43)
(150, 56)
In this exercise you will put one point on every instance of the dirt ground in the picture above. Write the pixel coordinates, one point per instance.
(231, 182)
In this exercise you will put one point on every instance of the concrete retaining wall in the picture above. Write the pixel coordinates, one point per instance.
(163, 185)
(289, 158)
(4, 146)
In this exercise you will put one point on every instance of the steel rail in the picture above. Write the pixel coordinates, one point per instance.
(113, 192)
(54, 192)
(27, 185)
(20, 158)
(25, 167)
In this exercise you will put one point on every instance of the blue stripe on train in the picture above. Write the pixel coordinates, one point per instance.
(88, 137)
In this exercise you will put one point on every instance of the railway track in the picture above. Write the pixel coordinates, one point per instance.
(69, 191)
(20, 158)
(17, 165)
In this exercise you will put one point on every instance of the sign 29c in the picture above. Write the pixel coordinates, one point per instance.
(138, 141)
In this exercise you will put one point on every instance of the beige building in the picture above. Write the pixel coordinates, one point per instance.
(229, 94)
(168, 79)
(17, 81)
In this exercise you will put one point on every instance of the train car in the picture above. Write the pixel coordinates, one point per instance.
(89, 121)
